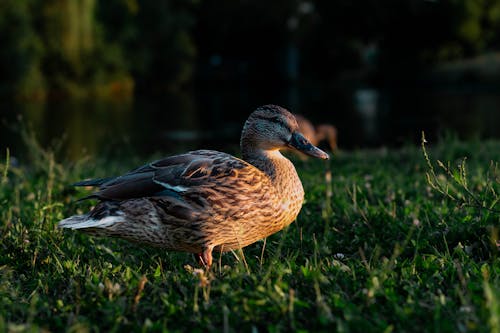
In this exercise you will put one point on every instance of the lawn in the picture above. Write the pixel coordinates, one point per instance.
(387, 241)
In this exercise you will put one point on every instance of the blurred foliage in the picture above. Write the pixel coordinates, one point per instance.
(82, 48)
(156, 37)
(21, 51)
(109, 48)
(78, 59)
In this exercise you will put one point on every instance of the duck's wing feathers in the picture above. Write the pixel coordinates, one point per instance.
(170, 176)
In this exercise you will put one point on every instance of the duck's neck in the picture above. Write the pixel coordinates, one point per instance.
(280, 170)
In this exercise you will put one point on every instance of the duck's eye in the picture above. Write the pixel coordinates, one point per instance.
(276, 120)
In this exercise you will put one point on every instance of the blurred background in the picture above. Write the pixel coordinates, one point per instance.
(166, 75)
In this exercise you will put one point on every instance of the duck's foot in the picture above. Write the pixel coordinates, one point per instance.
(205, 258)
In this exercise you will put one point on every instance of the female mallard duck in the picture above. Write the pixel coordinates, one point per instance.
(205, 200)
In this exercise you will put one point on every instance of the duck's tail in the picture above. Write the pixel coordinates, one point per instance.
(87, 222)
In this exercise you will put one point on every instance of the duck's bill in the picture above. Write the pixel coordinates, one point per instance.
(299, 142)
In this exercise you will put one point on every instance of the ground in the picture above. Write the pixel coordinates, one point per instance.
(399, 240)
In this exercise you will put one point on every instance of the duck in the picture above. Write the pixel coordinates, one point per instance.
(318, 133)
(205, 200)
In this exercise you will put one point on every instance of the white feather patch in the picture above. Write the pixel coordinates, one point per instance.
(75, 222)
(177, 188)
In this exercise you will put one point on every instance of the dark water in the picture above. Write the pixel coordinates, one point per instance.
(212, 118)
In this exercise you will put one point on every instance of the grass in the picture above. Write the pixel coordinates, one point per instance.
(387, 241)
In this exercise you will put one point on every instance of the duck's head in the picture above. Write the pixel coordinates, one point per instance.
(272, 127)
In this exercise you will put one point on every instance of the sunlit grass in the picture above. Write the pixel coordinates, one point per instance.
(387, 241)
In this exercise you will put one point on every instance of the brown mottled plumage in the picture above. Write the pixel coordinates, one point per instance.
(205, 200)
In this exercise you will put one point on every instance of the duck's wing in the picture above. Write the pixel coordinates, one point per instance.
(170, 176)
